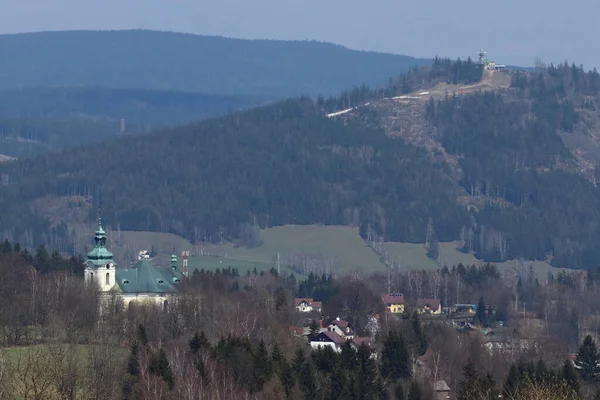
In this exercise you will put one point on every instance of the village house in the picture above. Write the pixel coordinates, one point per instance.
(441, 390)
(394, 302)
(341, 328)
(429, 306)
(142, 282)
(307, 305)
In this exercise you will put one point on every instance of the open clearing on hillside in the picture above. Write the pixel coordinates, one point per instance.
(339, 244)
(343, 245)
(413, 256)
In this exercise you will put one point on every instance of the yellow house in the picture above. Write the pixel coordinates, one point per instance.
(394, 302)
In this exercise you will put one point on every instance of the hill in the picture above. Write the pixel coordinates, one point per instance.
(42, 119)
(173, 61)
(492, 169)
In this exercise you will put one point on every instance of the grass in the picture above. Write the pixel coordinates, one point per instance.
(412, 256)
(341, 244)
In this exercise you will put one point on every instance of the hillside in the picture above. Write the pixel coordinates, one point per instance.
(191, 63)
(36, 120)
(491, 169)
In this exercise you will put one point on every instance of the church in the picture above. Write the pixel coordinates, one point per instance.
(142, 282)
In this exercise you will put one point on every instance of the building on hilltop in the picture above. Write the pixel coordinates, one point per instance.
(488, 64)
(142, 282)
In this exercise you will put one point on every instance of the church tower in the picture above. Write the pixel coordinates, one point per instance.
(100, 267)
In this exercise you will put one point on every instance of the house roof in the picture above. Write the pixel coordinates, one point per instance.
(299, 300)
(309, 300)
(144, 277)
(328, 336)
(433, 304)
(441, 386)
(393, 298)
(362, 340)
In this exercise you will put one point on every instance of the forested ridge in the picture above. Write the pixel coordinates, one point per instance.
(142, 59)
(41, 119)
(285, 163)
(278, 164)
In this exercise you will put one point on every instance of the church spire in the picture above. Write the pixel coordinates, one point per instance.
(174, 259)
(99, 254)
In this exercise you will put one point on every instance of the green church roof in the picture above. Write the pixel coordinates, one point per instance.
(99, 254)
(144, 277)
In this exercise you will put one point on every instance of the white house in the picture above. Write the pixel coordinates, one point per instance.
(307, 305)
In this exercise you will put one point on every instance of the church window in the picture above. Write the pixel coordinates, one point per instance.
(107, 278)
(91, 277)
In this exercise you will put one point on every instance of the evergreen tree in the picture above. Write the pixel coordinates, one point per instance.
(416, 323)
(314, 329)
(142, 335)
(338, 384)
(286, 376)
(198, 342)
(262, 367)
(399, 391)
(308, 381)
(299, 360)
(569, 375)
(366, 376)
(159, 366)
(469, 388)
(414, 391)
(480, 313)
(348, 356)
(277, 357)
(394, 357)
(512, 381)
(587, 359)
(133, 364)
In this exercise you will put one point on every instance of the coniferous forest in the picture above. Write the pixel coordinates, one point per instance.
(285, 163)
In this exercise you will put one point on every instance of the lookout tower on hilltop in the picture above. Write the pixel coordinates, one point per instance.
(482, 57)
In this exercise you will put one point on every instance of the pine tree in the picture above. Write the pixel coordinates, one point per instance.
(308, 381)
(480, 314)
(587, 359)
(569, 375)
(198, 342)
(142, 335)
(394, 357)
(469, 387)
(399, 391)
(159, 366)
(348, 356)
(512, 381)
(414, 392)
(314, 329)
(299, 359)
(262, 368)
(338, 385)
(419, 333)
(286, 376)
(277, 357)
(366, 376)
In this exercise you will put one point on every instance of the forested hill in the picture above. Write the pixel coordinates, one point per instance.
(499, 171)
(41, 119)
(173, 61)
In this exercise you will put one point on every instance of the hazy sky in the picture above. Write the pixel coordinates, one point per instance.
(512, 31)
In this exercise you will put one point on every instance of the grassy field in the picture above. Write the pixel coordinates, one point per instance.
(341, 244)
(412, 256)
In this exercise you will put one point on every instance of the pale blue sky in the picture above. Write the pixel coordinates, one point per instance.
(512, 31)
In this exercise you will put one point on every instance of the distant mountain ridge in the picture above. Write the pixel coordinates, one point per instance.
(37, 120)
(140, 59)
